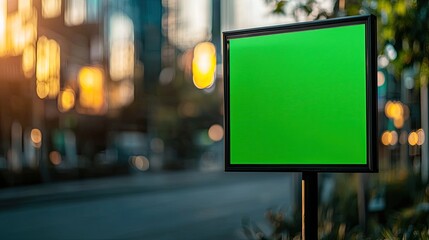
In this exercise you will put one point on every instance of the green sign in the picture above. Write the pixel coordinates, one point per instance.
(301, 97)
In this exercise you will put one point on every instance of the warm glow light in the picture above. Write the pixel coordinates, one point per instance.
(55, 157)
(421, 137)
(28, 60)
(54, 68)
(17, 29)
(16, 34)
(413, 138)
(25, 8)
(389, 138)
(3, 27)
(42, 89)
(397, 112)
(140, 162)
(387, 108)
(121, 41)
(398, 122)
(36, 137)
(216, 132)
(394, 110)
(91, 85)
(394, 138)
(380, 78)
(204, 65)
(30, 30)
(121, 94)
(66, 100)
(75, 12)
(122, 60)
(47, 68)
(51, 8)
(386, 138)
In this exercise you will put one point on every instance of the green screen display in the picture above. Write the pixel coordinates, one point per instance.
(299, 97)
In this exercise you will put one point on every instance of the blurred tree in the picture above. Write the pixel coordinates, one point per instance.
(403, 27)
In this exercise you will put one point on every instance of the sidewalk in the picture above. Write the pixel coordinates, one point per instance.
(116, 186)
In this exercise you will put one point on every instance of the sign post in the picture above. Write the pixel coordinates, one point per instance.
(309, 205)
(302, 98)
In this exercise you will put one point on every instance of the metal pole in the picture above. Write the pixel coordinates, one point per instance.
(309, 205)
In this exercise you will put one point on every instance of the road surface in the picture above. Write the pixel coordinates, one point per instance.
(187, 206)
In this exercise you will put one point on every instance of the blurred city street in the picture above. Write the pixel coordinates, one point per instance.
(178, 205)
(112, 121)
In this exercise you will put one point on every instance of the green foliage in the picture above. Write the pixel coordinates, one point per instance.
(282, 227)
(405, 216)
(402, 24)
(278, 6)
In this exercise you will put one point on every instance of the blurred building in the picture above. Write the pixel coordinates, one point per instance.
(100, 87)
(70, 71)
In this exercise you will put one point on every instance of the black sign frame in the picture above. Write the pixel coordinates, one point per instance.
(371, 95)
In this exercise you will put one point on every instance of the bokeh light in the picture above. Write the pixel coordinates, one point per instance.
(36, 137)
(204, 65)
(51, 8)
(394, 110)
(66, 100)
(386, 137)
(421, 137)
(216, 132)
(121, 38)
(391, 52)
(140, 162)
(91, 86)
(47, 68)
(383, 61)
(380, 78)
(398, 122)
(3, 27)
(413, 138)
(25, 8)
(15, 33)
(389, 138)
(75, 12)
(397, 111)
(28, 60)
(394, 137)
(55, 158)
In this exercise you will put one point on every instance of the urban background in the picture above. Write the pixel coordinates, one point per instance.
(111, 124)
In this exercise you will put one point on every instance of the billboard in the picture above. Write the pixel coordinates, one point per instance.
(302, 97)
